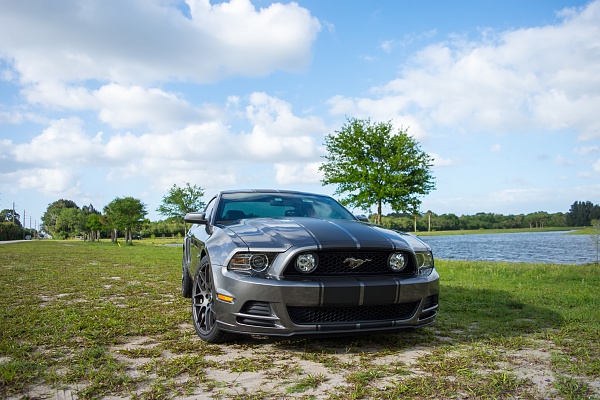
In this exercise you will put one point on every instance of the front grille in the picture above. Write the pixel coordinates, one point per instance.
(324, 315)
(331, 263)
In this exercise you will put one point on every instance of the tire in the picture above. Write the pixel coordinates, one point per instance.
(186, 281)
(203, 314)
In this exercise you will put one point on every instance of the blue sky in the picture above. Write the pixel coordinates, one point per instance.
(103, 99)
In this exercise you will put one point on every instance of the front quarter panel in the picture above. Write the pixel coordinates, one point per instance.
(220, 244)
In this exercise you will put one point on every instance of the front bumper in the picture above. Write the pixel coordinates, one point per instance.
(301, 306)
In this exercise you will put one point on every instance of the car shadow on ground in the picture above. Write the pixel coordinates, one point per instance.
(465, 315)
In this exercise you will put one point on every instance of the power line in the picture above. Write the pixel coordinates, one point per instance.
(5, 201)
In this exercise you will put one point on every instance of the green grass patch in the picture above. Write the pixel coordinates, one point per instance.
(103, 320)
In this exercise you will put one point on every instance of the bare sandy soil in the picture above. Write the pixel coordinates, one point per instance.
(261, 368)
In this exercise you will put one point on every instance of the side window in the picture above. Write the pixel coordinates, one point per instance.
(208, 210)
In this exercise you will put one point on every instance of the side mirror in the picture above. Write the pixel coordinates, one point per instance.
(362, 218)
(196, 218)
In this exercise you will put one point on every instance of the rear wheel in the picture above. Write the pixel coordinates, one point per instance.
(203, 314)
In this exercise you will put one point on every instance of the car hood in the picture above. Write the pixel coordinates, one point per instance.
(283, 233)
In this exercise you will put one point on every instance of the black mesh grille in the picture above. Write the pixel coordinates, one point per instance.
(332, 263)
(324, 315)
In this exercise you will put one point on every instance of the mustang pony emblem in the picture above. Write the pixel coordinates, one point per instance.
(355, 262)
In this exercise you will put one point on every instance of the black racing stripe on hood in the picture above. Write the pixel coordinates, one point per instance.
(346, 234)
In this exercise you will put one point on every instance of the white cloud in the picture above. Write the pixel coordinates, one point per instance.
(189, 154)
(76, 41)
(561, 160)
(439, 161)
(134, 106)
(386, 109)
(387, 45)
(57, 182)
(496, 148)
(297, 173)
(587, 150)
(507, 201)
(63, 143)
(278, 134)
(545, 78)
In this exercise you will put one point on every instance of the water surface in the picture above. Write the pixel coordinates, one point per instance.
(544, 247)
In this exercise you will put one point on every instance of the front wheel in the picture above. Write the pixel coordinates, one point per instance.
(203, 314)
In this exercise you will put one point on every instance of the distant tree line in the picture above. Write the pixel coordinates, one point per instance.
(580, 214)
(63, 219)
(11, 227)
(448, 222)
(125, 217)
(122, 217)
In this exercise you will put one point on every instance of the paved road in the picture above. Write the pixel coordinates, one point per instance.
(14, 241)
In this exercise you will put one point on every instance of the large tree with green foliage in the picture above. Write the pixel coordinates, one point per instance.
(373, 165)
(70, 222)
(50, 217)
(180, 201)
(8, 215)
(583, 213)
(125, 214)
(93, 225)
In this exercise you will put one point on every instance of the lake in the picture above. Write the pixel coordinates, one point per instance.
(543, 247)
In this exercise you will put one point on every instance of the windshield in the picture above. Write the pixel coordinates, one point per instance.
(236, 206)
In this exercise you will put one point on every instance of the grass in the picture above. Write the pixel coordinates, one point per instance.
(97, 320)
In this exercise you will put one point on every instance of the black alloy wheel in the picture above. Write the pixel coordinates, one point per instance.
(203, 297)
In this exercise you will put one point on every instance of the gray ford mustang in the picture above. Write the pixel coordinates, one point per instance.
(283, 263)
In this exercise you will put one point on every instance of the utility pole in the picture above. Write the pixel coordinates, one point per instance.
(13, 219)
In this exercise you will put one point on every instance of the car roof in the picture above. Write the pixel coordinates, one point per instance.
(268, 191)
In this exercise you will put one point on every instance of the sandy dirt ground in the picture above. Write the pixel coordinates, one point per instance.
(261, 368)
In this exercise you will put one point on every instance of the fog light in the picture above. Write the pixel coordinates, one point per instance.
(306, 263)
(397, 262)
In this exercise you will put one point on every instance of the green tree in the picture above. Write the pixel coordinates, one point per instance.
(10, 231)
(93, 225)
(125, 214)
(8, 215)
(51, 215)
(582, 213)
(372, 165)
(180, 201)
(69, 223)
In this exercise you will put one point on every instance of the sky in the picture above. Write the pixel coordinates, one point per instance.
(102, 99)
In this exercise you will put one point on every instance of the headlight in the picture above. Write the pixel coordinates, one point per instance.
(397, 262)
(424, 262)
(257, 262)
(306, 263)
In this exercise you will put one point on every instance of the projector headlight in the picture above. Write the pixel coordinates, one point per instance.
(256, 262)
(424, 262)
